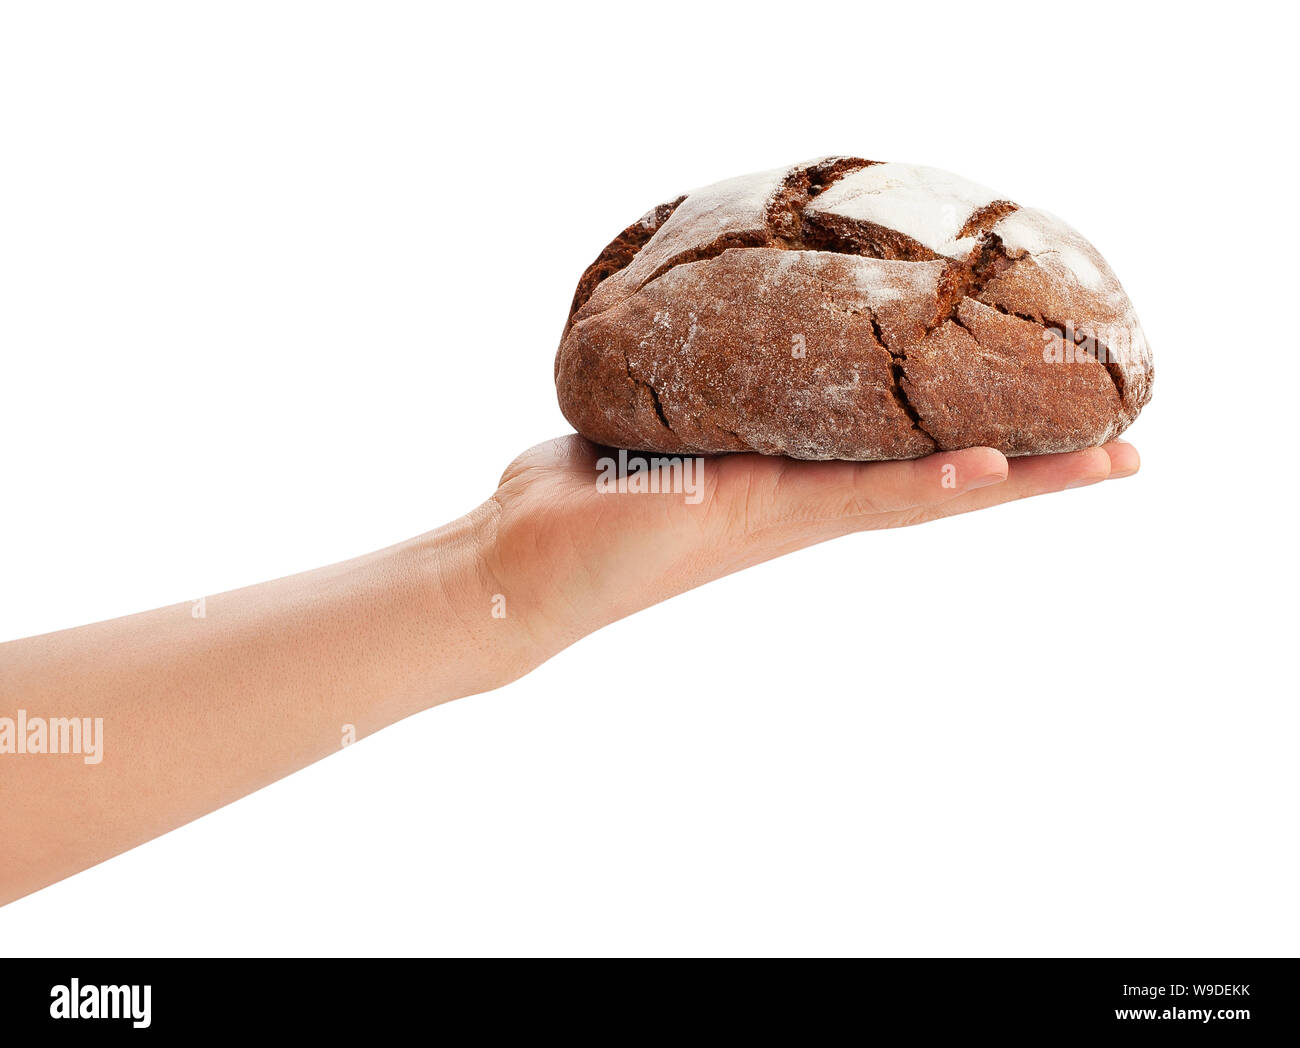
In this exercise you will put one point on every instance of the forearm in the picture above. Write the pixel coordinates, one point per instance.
(199, 711)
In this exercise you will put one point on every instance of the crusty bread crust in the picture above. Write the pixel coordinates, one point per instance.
(847, 309)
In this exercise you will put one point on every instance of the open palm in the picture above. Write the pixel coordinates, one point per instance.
(572, 558)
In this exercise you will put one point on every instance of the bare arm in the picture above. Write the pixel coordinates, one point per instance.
(199, 711)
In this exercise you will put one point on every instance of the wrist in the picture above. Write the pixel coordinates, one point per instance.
(461, 610)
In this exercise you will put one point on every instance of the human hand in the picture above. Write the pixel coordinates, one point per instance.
(570, 559)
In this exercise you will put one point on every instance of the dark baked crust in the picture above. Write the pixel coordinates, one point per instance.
(619, 252)
(842, 309)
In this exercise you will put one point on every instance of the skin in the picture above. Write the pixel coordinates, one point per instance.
(200, 712)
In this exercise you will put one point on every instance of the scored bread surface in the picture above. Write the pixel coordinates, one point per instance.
(848, 309)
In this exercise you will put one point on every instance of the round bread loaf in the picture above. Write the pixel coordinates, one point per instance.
(849, 309)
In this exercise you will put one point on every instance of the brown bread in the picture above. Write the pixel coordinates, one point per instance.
(847, 309)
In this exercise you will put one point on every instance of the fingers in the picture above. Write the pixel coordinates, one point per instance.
(776, 490)
(834, 498)
(1042, 474)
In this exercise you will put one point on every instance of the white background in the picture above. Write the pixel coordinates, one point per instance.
(281, 283)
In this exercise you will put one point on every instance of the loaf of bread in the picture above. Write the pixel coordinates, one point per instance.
(849, 309)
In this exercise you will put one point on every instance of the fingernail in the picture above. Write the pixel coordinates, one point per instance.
(1117, 472)
(984, 482)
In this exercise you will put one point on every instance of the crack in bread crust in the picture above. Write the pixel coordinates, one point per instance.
(785, 226)
(986, 217)
(1092, 347)
(655, 402)
(967, 279)
(989, 261)
(897, 375)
